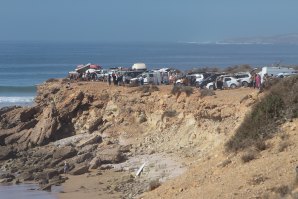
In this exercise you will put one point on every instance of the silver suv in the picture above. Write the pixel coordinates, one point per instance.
(245, 78)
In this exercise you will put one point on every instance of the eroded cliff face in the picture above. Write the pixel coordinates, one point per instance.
(95, 124)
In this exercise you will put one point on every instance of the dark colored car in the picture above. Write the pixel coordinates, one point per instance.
(209, 79)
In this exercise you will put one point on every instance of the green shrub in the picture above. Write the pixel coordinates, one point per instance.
(280, 102)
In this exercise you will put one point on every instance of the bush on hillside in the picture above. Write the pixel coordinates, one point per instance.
(279, 104)
(188, 90)
(147, 88)
(207, 92)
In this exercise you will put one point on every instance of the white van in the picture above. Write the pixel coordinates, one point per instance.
(274, 71)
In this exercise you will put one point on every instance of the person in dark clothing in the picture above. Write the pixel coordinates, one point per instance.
(219, 83)
(109, 79)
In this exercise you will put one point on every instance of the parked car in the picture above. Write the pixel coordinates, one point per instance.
(245, 78)
(282, 75)
(209, 79)
(193, 79)
(228, 82)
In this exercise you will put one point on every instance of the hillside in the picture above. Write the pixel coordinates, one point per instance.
(106, 133)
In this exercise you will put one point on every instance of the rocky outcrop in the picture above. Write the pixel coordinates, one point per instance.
(92, 126)
(64, 153)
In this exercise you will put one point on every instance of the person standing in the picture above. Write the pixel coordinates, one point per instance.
(109, 79)
(258, 81)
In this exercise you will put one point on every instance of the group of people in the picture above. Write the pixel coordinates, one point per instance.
(117, 79)
(256, 81)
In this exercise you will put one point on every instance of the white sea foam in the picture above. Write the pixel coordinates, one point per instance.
(25, 99)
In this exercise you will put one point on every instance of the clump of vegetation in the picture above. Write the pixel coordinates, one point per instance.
(261, 145)
(282, 190)
(279, 104)
(52, 80)
(188, 90)
(207, 92)
(249, 156)
(257, 179)
(169, 113)
(147, 88)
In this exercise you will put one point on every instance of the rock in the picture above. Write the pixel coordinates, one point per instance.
(94, 139)
(110, 156)
(5, 153)
(46, 126)
(64, 153)
(6, 180)
(79, 170)
(44, 153)
(94, 124)
(7, 175)
(26, 176)
(28, 114)
(51, 173)
(95, 163)
(83, 157)
(46, 187)
(88, 148)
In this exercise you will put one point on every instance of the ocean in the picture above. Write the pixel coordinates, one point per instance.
(23, 65)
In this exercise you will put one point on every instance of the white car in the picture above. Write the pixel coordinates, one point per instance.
(282, 75)
(194, 79)
(228, 82)
(245, 78)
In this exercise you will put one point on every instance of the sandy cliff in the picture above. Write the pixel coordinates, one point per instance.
(180, 139)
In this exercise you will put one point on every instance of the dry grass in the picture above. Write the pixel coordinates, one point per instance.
(279, 104)
(147, 88)
(206, 92)
(188, 90)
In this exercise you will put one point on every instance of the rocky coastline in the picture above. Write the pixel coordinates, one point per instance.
(96, 128)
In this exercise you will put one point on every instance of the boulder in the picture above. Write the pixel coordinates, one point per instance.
(83, 157)
(46, 127)
(64, 153)
(94, 124)
(94, 139)
(88, 148)
(110, 155)
(51, 173)
(79, 170)
(94, 163)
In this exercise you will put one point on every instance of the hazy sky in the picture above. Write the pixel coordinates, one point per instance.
(145, 20)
